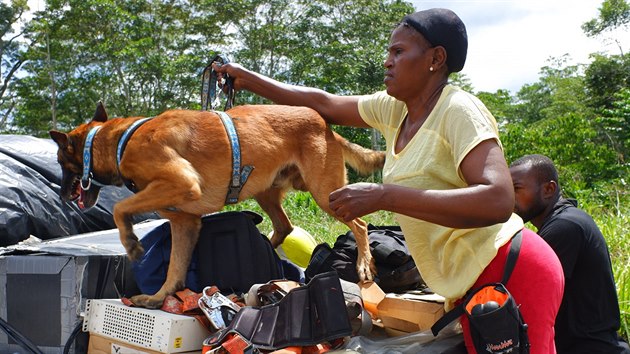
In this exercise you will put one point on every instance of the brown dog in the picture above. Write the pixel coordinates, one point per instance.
(180, 163)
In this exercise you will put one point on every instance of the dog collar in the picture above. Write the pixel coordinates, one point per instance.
(88, 178)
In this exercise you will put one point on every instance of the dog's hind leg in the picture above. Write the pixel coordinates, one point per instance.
(184, 235)
(271, 202)
(321, 185)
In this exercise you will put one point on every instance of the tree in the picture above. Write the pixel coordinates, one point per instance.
(144, 56)
(500, 104)
(615, 124)
(612, 14)
(11, 52)
(553, 117)
(140, 57)
(560, 89)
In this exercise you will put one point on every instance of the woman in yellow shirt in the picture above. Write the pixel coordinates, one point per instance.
(445, 175)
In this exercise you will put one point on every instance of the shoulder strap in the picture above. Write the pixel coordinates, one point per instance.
(515, 248)
(458, 311)
(448, 317)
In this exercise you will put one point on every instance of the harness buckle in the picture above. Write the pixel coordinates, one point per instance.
(87, 181)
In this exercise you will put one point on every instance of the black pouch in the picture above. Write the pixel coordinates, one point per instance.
(496, 324)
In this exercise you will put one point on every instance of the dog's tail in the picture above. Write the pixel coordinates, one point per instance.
(362, 160)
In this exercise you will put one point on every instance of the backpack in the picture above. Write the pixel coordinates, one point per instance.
(396, 270)
(231, 254)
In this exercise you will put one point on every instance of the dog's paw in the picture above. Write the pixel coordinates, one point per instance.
(147, 301)
(366, 268)
(135, 251)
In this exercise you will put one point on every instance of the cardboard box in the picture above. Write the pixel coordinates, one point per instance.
(372, 295)
(402, 313)
(409, 312)
(44, 286)
(103, 345)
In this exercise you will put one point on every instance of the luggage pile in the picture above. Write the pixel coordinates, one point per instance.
(242, 297)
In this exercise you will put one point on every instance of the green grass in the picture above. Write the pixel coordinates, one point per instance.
(615, 225)
(304, 212)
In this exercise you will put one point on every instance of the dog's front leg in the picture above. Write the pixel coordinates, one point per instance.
(366, 268)
(128, 238)
(184, 235)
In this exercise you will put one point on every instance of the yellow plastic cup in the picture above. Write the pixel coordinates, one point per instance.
(297, 247)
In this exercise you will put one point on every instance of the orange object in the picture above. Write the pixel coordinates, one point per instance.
(488, 293)
(235, 344)
(316, 349)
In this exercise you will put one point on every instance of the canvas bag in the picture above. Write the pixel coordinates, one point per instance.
(496, 323)
(396, 270)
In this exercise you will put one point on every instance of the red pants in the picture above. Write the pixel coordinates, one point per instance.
(537, 284)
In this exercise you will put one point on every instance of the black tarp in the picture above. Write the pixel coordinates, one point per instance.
(29, 195)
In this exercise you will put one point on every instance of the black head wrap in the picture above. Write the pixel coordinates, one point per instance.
(442, 27)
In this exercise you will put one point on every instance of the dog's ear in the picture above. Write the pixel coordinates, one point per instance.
(60, 138)
(100, 115)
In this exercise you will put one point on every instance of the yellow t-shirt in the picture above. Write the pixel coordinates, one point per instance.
(450, 260)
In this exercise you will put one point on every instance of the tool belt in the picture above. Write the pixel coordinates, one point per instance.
(305, 316)
(496, 324)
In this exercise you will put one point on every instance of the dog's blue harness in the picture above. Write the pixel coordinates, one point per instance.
(122, 143)
(209, 98)
(124, 139)
(239, 176)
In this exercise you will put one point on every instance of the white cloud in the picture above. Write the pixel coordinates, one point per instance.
(511, 40)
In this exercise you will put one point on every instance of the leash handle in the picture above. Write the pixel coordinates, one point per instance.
(209, 84)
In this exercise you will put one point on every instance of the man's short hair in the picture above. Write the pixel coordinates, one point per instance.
(541, 165)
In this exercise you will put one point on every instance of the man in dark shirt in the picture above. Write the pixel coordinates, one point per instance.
(589, 318)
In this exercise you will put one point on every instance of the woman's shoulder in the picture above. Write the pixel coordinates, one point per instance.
(460, 103)
(458, 96)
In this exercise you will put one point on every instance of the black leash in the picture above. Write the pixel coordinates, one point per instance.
(210, 84)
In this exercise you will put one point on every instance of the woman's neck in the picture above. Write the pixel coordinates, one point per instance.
(419, 108)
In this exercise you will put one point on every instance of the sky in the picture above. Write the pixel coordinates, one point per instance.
(509, 41)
